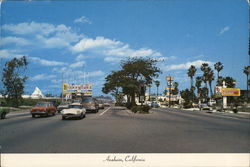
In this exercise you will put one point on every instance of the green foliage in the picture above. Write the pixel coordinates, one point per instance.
(229, 81)
(218, 67)
(176, 90)
(141, 109)
(187, 95)
(128, 79)
(14, 80)
(191, 73)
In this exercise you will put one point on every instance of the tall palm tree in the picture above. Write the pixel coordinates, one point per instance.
(191, 73)
(157, 83)
(198, 84)
(210, 78)
(218, 67)
(246, 70)
(205, 68)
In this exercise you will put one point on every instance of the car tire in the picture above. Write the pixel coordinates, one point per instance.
(3, 115)
(63, 118)
(33, 115)
(54, 114)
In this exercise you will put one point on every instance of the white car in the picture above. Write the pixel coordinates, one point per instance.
(75, 110)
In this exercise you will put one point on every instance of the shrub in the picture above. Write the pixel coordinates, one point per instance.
(141, 109)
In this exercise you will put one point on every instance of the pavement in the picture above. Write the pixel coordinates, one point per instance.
(118, 130)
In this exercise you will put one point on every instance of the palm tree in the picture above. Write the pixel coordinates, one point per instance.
(198, 84)
(205, 68)
(191, 73)
(218, 67)
(210, 78)
(157, 83)
(246, 70)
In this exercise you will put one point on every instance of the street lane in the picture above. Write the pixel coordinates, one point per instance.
(117, 130)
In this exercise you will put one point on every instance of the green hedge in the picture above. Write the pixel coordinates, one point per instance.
(141, 109)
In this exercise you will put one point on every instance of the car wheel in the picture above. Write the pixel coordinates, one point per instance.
(63, 118)
(54, 114)
(33, 115)
(3, 115)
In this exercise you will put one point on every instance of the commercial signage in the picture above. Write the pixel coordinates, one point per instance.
(72, 87)
(169, 78)
(230, 92)
(218, 89)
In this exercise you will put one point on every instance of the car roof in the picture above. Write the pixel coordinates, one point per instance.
(75, 104)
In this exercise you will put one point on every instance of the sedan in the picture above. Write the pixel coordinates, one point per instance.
(43, 109)
(75, 110)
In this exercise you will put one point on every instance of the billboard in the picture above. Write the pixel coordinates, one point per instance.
(82, 89)
(230, 91)
(77, 88)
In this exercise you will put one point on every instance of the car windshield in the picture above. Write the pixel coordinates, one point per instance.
(41, 104)
(86, 100)
(74, 106)
(65, 103)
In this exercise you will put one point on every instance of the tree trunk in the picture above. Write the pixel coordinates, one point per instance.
(211, 92)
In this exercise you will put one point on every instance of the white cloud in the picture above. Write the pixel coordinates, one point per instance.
(15, 40)
(82, 19)
(80, 57)
(8, 54)
(42, 77)
(223, 30)
(34, 28)
(77, 64)
(42, 35)
(186, 65)
(98, 43)
(95, 73)
(112, 50)
(47, 62)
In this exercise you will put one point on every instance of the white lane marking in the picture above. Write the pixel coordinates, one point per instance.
(11, 114)
(104, 111)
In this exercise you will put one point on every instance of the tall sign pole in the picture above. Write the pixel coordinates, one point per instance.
(169, 83)
(62, 86)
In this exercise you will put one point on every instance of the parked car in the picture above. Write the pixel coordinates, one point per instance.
(3, 112)
(63, 105)
(90, 104)
(43, 109)
(205, 106)
(155, 104)
(106, 104)
(75, 110)
(100, 104)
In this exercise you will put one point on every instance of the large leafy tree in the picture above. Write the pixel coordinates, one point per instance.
(218, 67)
(13, 79)
(133, 72)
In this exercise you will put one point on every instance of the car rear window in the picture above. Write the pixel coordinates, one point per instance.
(74, 106)
(86, 100)
(42, 104)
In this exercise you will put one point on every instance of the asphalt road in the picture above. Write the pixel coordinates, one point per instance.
(116, 130)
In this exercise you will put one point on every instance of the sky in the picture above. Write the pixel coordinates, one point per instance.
(86, 40)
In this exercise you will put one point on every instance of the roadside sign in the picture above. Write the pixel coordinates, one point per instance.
(169, 78)
(218, 89)
(169, 88)
(230, 91)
